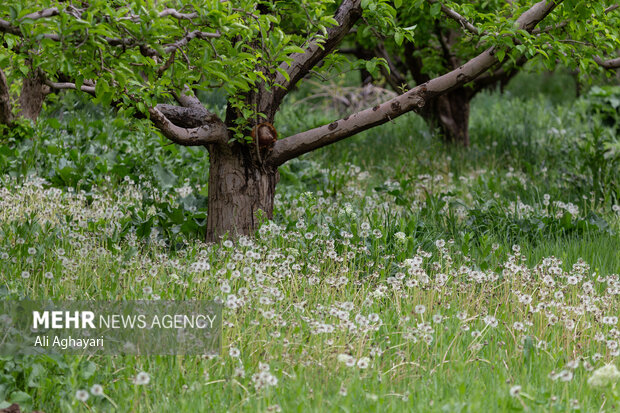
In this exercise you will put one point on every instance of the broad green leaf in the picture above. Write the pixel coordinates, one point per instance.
(398, 38)
(500, 54)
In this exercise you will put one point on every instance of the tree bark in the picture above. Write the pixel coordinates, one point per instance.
(32, 96)
(450, 113)
(6, 115)
(238, 188)
(240, 182)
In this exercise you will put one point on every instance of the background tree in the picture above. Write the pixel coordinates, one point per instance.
(30, 100)
(144, 56)
(447, 34)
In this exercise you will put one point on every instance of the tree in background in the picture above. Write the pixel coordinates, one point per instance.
(30, 101)
(448, 34)
(148, 58)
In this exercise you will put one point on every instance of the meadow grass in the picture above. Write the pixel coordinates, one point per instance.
(396, 275)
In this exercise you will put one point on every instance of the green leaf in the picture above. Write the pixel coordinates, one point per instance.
(101, 87)
(398, 37)
(398, 3)
(292, 49)
(165, 178)
(53, 123)
(21, 398)
(500, 54)
(330, 20)
(79, 81)
(88, 370)
(371, 66)
(284, 73)
(35, 374)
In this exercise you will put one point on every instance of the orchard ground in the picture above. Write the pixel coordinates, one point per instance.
(396, 275)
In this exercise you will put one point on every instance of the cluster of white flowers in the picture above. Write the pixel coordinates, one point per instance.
(604, 376)
(264, 378)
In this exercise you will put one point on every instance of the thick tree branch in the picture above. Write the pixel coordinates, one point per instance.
(185, 117)
(212, 130)
(413, 100)
(346, 16)
(610, 64)
(535, 14)
(186, 99)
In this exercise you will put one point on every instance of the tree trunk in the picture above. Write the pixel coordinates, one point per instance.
(32, 96)
(238, 188)
(450, 113)
(6, 115)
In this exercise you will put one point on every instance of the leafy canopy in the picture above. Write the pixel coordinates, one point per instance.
(137, 52)
(574, 35)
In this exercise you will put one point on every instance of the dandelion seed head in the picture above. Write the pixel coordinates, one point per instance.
(142, 378)
(81, 395)
(96, 390)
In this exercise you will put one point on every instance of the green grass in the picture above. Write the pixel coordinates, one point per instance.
(602, 252)
(340, 272)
